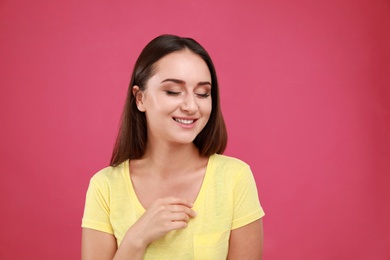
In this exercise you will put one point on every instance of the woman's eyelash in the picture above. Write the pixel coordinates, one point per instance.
(203, 95)
(173, 93)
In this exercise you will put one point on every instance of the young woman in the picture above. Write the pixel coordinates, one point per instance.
(169, 193)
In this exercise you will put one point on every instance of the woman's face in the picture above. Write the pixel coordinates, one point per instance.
(177, 98)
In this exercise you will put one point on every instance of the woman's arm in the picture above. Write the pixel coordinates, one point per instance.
(163, 216)
(97, 245)
(247, 242)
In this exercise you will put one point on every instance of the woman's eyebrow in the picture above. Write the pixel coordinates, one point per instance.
(182, 82)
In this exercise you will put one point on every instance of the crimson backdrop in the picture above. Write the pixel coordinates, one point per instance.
(305, 93)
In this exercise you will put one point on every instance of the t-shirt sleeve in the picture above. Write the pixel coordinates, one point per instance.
(247, 206)
(97, 207)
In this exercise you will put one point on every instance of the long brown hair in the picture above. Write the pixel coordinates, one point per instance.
(132, 137)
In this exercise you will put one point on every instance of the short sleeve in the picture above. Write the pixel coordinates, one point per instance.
(247, 206)
(97, 208)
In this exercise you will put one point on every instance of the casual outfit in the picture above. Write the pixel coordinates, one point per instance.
(227, 200)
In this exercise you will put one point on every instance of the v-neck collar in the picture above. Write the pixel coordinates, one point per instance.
(199, 197)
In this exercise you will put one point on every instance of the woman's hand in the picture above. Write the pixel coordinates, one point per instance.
(163, 216)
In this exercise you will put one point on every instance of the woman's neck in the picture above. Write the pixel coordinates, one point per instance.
(167, 160)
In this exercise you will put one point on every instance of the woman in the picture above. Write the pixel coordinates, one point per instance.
(168, 193)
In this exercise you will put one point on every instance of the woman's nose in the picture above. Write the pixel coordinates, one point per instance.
(189, 104)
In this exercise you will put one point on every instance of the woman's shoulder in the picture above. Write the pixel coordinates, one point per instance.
(110, 174)
(229, 166)
(228, 161)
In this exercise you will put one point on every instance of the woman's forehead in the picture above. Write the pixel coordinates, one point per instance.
(182, 65)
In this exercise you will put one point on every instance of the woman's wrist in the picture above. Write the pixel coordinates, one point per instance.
(135, 239)
(133, 246)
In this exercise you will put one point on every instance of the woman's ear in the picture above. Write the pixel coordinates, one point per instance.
(139, 98)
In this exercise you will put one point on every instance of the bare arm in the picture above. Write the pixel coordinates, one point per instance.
(97, 245)
(160, 218)
(247, 242)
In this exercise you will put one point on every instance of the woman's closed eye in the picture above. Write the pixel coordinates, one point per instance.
(172, 93)
(203, 95)
(176, 93)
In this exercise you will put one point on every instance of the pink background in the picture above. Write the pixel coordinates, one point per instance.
(305, 93)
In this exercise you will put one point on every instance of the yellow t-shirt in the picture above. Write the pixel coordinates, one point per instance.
(227, 200)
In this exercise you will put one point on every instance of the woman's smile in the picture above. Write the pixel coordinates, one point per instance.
(179, 89)
(184, 121)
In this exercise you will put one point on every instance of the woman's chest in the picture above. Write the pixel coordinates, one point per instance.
(148, 190)
(206, 236)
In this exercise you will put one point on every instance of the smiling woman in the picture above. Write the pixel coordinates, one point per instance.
(169, 193)
(176, 101)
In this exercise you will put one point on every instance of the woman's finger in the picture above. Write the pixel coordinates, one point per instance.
(179, 217)
(179, 201)
(180, 208)
(178, 225)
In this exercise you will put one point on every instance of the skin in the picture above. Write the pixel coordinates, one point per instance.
(180, 89)
(168, 178)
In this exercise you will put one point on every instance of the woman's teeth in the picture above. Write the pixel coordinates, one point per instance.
(184, 121)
